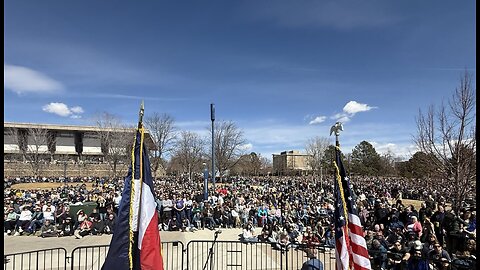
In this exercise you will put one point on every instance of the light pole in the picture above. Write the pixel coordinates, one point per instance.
(212, 117)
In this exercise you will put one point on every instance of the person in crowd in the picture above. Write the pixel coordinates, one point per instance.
(378, 255)
(102, 207)
(66, 227)
(48, 229)
(248, 234)
(416, 260)
(173, 224)
(398, 256)
(416, 226)
(36, 221)
(438, 223)
(109, 224)
(48, 214)
(440, 257)
(309, 238)
(98, 225)
(24, 220)
(84, 229)
(313, 263)
(167, 205)
(50, 206)
(179, 209)
(209, 222)
(59, 212)
(186, 227)
(10, 221)
(429, 245)
(81, 217)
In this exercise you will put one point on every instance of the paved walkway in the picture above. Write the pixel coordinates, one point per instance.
(14, 244)
(228, 255)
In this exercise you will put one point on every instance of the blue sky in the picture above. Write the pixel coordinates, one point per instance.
(283, 71)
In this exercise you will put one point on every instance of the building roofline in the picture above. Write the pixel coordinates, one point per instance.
(56, 127)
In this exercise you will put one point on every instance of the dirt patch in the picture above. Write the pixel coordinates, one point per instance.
(46, 185)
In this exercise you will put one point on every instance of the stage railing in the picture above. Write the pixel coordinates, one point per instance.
(227, 255)
(92, 257)
(52, 259)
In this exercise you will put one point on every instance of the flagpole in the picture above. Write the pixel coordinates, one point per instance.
(140, 159)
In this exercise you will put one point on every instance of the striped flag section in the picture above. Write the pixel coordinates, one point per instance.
(135, 243)
(341, 234)
(355, 244)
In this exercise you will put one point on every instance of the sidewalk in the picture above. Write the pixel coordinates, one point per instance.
(14, 244)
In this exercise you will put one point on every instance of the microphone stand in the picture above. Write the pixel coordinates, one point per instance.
(211, 252)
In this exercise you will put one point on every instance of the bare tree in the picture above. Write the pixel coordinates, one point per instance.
(228, 145)
(33, 147)
(315, 150)
(449, 134)
(163, 132)
(189, 149)
(116, 140)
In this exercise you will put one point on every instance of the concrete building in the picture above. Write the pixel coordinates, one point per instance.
(291, 162)
(53, 144)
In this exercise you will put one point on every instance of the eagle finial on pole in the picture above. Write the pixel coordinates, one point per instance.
(336, 129)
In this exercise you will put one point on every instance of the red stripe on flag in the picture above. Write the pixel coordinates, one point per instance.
(354, 228)
(360, 250)
(150, 256)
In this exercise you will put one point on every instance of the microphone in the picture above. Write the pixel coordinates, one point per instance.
(218, 232)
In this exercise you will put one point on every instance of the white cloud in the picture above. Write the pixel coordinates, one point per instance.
(403, 151)
(25, 80)
(341, 117)
(318, 120)
(62, 109)
(76, 109)
(353, 107)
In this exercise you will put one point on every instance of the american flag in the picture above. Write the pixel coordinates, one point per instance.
(341, 234)
(355, 243)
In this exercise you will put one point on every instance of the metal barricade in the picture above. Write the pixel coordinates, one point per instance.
(93, 257)
(234, 255)
(296, 255)
(53, 258)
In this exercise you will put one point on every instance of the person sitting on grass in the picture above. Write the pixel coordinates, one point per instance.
(48, 229)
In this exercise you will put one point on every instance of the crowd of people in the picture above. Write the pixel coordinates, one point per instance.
(283, 211)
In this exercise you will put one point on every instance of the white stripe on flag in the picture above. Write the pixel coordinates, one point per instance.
(354, 219)
(148, 210)
(360, 260)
